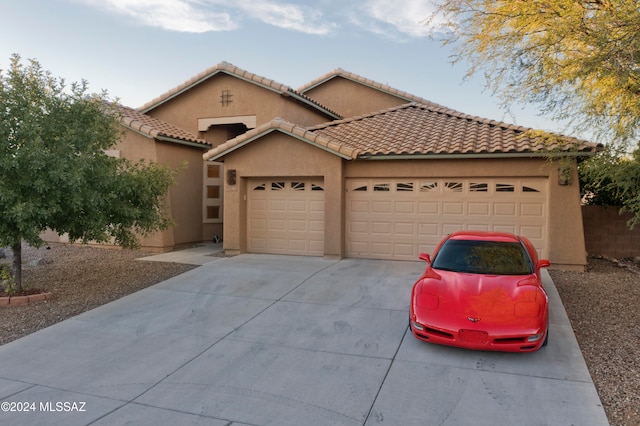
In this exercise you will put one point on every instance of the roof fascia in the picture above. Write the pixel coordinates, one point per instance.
(183, 142)
(167, 138)
(503, 155)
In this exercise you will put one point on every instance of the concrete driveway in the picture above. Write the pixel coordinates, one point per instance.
(282, 340)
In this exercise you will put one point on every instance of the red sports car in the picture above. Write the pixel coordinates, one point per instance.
(482, 291)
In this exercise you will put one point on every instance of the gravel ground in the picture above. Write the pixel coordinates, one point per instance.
(602, 304)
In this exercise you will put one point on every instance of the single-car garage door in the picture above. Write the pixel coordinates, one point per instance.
(400, 218)
(285, 216)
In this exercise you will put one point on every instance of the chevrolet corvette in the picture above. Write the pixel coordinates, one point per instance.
(482, 291)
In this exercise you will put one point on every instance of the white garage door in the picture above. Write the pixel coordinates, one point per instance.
(286, 216)
(400, 218)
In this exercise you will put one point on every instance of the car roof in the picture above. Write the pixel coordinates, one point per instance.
(484, 236)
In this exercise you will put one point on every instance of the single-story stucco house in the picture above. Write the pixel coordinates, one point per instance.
(347, 167)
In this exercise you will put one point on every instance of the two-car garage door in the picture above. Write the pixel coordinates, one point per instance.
(399, 218)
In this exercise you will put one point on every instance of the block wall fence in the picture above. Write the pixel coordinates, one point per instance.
(606, 232)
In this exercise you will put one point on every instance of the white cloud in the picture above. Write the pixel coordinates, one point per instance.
(393, 19)
(176, 15)
(287, 15)
(408, 17)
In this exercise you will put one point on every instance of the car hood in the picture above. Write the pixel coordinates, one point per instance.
(494, 298)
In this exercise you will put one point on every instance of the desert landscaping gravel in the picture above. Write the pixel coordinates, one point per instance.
(603, 304)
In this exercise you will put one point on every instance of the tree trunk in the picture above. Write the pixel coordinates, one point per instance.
(17, 264)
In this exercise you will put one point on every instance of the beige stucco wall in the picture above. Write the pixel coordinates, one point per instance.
(282, 156)
(184, 200)
(247, 99)
(349, 98)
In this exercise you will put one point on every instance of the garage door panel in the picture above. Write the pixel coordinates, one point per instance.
(504, 209)
(506, 228)
(404, 207)
(381, 228)
(359, 206)
(401, 229)
(380, 248)
(532, 232)
(453, 208)
(300, 206)
(277, 205)
(480, 209)
(419, 212)
(286, 216)
(381, 207)
(428, 230)
(478, 227)
(529, 209)
(359, 227)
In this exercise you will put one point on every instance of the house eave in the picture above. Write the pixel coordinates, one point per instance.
(183, 142)
(469, 156)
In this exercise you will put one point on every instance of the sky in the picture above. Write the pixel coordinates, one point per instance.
(137, 50)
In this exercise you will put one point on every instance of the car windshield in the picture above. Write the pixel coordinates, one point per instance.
(483, 257)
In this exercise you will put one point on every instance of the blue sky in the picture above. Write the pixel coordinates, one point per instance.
(138, 49)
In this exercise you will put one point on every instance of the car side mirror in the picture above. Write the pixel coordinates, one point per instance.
(543, 263)
(425, 257)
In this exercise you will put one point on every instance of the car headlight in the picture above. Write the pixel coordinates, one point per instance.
(535, 337)
(417, 326)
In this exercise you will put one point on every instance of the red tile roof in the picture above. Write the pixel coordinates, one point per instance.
(416, 130)
(156, 128)
(225, 67)
(425, 129)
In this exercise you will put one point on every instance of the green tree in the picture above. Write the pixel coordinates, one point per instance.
(55, 174)
(613, 179)
(579, 60)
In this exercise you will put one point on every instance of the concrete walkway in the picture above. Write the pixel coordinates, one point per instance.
(282, 340)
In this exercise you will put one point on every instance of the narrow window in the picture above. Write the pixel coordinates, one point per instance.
(297, 186)
(478, 187)
(213, 191)
(277, 186)
(529, 189)
(213, 212)
(213, 172)
(453, 186)
(382, 187)
(315, 187)
(429, 187)
(505, 187)
(404, 186)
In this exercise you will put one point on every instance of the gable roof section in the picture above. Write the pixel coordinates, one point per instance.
(339, 72)
(227, 68)
(157, 129)
(423, 130)
(416, 131)
(283, 126)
